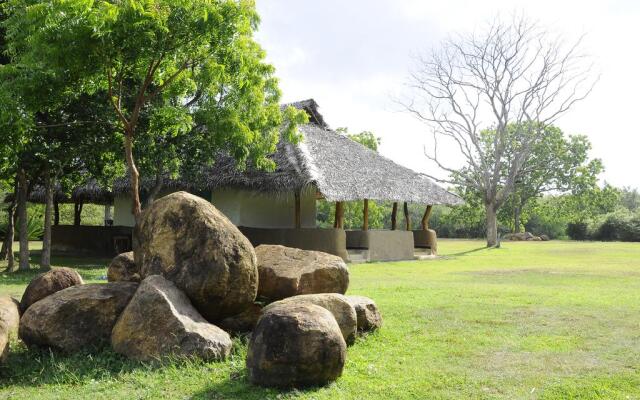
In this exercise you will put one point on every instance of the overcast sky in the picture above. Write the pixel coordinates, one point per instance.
(353, 57)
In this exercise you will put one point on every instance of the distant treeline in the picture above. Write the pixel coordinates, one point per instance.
(607, 214)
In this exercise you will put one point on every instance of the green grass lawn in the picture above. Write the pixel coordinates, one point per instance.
(537, 320)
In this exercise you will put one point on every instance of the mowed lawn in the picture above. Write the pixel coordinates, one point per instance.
(537, 320)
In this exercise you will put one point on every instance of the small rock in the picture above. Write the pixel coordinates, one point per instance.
(335, 303)
(76, 317)
(295, 345)
(9, 321)
(188, 241)
(160, 321)
(123, 269)
(369, 318)
(48, 283)
(544, 238)
(244, 322)
(286, 272)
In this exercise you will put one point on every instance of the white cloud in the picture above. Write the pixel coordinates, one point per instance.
(352, 55)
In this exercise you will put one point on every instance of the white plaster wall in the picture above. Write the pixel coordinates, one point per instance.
(260, 210)
(122, 215)
(243, 208)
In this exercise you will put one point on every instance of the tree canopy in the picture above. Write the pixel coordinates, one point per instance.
(514, 79)
(175, 73)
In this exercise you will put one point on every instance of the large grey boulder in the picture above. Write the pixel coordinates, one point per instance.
(295, 345)
(369, 318)
(123, 268)
(48, 283)
(160, 322)
(9, 320)
(76, 317)
(335, 303)
(286, 272)
(188, 241)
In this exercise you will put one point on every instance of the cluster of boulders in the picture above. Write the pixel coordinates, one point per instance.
(526, 236)
(193, 281)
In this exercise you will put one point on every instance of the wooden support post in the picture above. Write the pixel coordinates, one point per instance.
(365, 215)
(394, 216)
(77, 213)
(407, 217)
(339, 216)
(297, 221)
(425, 218)
(56, 213)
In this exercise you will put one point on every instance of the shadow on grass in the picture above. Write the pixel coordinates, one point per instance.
(89, 267)
(240, 388)
(68, 261)
(462, 253)
(36, 367)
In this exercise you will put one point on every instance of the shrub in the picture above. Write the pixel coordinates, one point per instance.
(619, 226)
(578, 230)
(35, 229)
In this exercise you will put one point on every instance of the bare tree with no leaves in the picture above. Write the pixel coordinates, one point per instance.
(513, 75)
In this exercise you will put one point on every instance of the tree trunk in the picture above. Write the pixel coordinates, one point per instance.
(11, 232)
(23, 193)
(45, 261)
(492, 225)
(56, 213)
(516, 219)
(134, 176)
(425, 218)
(77, 214)
(407, 217)
(394, 216)
(7, 245)
(157, 187)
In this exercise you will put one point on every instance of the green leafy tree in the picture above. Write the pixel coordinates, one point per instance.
(365, 138)
(57, 134)
(556, 164)
(630, 198)
(187, 67)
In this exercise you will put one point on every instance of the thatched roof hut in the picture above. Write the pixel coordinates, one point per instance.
(334, 165)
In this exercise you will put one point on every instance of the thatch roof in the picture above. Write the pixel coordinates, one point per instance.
(91, 192)
(311, 107)
(325, 161)
(344, 170)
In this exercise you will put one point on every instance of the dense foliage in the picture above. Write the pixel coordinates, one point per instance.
(181, 80)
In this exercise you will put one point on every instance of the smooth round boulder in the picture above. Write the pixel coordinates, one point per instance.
(369, 318)
(77, 317)
(48, 283)
(335, 303)
(188, 241)
(9, 320)
(123, 268)
(295, 345)
(286, 271)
